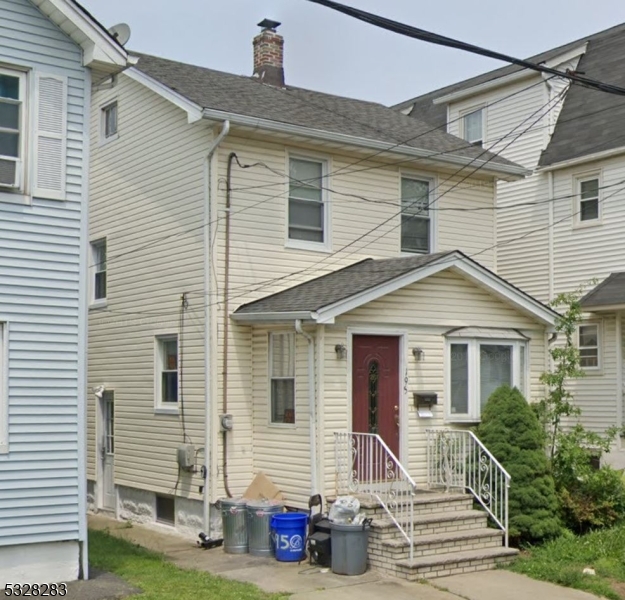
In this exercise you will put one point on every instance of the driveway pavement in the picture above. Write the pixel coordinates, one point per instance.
(312, 583)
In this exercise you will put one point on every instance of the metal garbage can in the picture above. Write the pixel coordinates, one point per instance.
(259, 513)
(349, 548)
(234, 524)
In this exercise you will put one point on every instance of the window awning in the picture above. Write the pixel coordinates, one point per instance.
(486, 333)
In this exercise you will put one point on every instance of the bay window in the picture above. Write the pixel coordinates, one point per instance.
(476, 368)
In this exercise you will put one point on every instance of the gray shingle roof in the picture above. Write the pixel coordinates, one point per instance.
(242, 95)
(339, 285)
(610, 291)
(590, 120)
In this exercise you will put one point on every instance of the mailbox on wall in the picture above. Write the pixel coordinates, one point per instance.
(423, 402)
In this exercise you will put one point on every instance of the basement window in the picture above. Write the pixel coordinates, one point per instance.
(166, 510)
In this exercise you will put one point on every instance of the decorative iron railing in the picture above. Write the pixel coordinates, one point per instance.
(366, 465)
(457, 459)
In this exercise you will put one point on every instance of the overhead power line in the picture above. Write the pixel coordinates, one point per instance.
(441, 40)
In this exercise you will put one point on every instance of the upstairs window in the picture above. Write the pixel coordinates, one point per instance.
(109, 121)
(98, 255)
(472, 127)
(588, 343)
(416, 222)
(307, 206)
(282, 377)
(12, 90)
(166, 371)
(588, 193)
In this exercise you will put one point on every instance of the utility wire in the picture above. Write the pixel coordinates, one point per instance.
(434, 38)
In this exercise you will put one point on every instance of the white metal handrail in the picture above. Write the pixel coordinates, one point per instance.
(458, 459)
(366, 465)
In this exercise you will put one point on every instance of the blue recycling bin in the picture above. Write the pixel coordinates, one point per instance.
(289, 535)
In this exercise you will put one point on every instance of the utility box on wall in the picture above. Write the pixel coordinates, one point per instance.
(186, 457)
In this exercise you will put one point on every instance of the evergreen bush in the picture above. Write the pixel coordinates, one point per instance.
(514, 435)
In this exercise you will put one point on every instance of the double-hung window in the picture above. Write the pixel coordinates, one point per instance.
(109, 121)
(12, 91)
(476, 368)
(588, 209)
(589, 344)
(416, 220)
(473, 127)
(166, 383)
(98, 255)
(282, 377)
(307, 206)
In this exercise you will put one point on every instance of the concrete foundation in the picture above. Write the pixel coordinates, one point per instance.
(53, 562)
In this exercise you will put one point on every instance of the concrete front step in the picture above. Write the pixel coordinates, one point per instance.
(454, 563)
(440, 543)
(432, 523)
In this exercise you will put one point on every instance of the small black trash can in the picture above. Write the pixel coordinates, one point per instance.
(349, 548)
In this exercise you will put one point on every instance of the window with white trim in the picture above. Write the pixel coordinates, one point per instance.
(307, 221)
(282, 377)
(416, 220)
(12, 129)
(589, 343)
(588, 208)
(473, 127)
(476, 368)
(109, 121)
(98, 256)
(166, 375)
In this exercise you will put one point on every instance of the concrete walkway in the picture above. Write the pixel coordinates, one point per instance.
(312, 583)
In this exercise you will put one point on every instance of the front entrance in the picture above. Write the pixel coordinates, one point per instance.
(375, 387)
(107, 452)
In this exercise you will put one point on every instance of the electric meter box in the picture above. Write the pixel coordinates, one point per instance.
(186, 457)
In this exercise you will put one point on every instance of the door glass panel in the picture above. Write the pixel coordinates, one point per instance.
(109, 414)
(374, 380)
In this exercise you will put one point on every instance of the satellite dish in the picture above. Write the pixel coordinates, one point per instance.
(121, 33)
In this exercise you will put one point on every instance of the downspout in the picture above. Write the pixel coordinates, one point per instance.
(619, 376)
(226, 322)
(208, 453)
(311, 405)
(550, 245)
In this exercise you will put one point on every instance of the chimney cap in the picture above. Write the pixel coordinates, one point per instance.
(269, 24)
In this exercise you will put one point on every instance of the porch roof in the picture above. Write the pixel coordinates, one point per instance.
(610, 293)
(326, 297)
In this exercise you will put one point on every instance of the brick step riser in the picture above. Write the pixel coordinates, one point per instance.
(432, 549)
(426, 509)
(392, 533)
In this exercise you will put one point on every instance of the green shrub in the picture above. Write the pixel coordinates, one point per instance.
(512, 432)
(589, 498)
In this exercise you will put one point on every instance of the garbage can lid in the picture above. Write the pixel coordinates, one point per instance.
(233, 502)
(350, 526)
(265, 504)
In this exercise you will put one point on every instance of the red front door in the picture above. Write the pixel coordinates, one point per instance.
(375, 387)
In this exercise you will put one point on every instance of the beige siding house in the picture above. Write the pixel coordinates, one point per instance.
(561, 227)
(272, 266)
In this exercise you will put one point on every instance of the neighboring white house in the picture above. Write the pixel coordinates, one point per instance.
(51, 51)
(291, 259)
(562, 227)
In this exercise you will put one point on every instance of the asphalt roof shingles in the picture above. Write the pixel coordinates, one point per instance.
(242, 95)
(610, 291)
(590, 120)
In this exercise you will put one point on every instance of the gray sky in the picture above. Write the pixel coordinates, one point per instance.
(330, 52)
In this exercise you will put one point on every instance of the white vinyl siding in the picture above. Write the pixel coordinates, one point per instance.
(416, 222)
(42, 289)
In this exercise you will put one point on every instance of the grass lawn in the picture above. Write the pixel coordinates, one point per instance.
(563, 560)
(161, 580)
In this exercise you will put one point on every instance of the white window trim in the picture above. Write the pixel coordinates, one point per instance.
(474, 414)
(103, 139)
(99, 302)
(467, 111)
(598, 370)
(17, 195)
(326, 168)
(578, 179)
(270, 423)
(433, 214)
(159, 406)
(4, 388)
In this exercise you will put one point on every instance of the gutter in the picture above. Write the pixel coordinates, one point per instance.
(514, 171)
(208, 330)
(311, 405)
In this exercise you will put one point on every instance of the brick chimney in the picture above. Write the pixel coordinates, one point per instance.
(268, 54)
